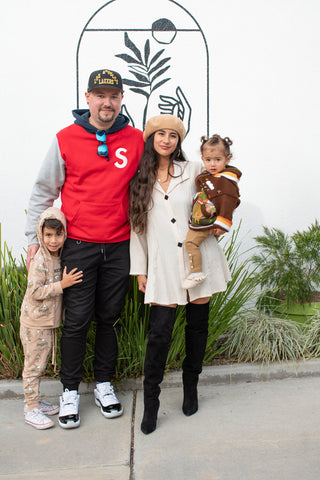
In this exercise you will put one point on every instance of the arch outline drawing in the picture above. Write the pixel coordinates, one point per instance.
(164, 98)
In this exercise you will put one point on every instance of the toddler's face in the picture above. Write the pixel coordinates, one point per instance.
(214, 158)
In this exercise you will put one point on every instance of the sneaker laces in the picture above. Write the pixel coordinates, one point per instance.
(37, 416)
(44, 405)
(69, 402)
(106, 390)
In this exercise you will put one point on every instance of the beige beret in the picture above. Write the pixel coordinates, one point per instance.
(164, 121)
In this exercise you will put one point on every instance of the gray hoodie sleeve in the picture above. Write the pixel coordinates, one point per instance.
(46, 189)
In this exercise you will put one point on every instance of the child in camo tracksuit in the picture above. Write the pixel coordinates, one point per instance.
(41, 312)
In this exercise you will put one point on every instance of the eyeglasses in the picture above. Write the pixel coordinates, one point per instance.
(102, 149)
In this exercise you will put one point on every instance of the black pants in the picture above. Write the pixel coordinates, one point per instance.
(102, 292)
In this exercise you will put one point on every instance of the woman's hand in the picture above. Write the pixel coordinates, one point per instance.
(142, 283)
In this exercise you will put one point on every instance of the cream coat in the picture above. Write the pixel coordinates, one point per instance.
(160, 253)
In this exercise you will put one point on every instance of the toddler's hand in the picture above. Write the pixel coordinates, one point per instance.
(218, 231)
(71, 278)
(210, 209)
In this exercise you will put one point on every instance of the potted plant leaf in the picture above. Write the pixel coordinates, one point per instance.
(289, 271)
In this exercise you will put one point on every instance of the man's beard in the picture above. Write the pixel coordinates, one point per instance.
(106, 119)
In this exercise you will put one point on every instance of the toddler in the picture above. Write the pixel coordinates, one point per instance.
(213, 205)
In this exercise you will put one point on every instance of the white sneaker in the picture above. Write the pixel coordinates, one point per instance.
(106, 399)
(69, 409)
(46, 407)
(193, 280)
(38, 420)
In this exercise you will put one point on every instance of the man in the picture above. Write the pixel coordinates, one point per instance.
(91, 163)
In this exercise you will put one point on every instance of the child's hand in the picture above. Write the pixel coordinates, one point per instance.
(218, 231)
(71, 278)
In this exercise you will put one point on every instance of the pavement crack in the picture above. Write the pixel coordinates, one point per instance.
(132, 435)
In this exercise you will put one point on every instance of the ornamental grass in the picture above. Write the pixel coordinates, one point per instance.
(312, 334)
(257, 337)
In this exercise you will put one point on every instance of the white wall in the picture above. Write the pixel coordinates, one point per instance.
(264, 91)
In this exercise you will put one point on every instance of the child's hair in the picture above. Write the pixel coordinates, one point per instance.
(53, 223)
(214, 140)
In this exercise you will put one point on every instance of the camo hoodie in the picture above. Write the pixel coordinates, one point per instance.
(42, 303)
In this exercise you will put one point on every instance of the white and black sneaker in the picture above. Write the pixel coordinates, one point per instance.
(106, 399)
(46, 407)
(69, 409)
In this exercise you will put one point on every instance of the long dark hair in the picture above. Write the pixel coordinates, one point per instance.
(141, 185)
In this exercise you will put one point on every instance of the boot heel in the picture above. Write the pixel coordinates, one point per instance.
(149, 420)
(190, 399)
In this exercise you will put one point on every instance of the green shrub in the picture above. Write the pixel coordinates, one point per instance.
(132, 325)
(288, 266)
(256, 337)
(13, 282)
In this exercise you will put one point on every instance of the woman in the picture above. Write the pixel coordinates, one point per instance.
(160, 201)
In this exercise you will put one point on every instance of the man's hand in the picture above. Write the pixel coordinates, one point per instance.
(32, 250)
(142, 283)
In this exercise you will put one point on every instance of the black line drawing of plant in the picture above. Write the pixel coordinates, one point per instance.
(144, 70)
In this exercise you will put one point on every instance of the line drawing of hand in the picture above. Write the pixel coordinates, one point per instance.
(124, 111)
(177, 106)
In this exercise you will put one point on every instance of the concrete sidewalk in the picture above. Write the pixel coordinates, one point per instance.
(254, 423)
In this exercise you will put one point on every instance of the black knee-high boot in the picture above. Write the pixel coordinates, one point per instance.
(196, 332)
(160, 330)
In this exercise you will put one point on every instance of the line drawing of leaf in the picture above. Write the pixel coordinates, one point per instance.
(127, 58)
(159, 65)
(156, 56)
(146, 51)
(138, 90)
(139, 68)
(160, 83)
(159, 73)
(128, 43)
(140, 77)
(133, 83)
(142, 71)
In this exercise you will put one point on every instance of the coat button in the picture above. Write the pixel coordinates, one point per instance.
(173, 220)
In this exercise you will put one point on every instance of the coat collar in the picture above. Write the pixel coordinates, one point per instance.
(181, 174)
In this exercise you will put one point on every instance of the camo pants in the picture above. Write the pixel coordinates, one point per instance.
(37, 345)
